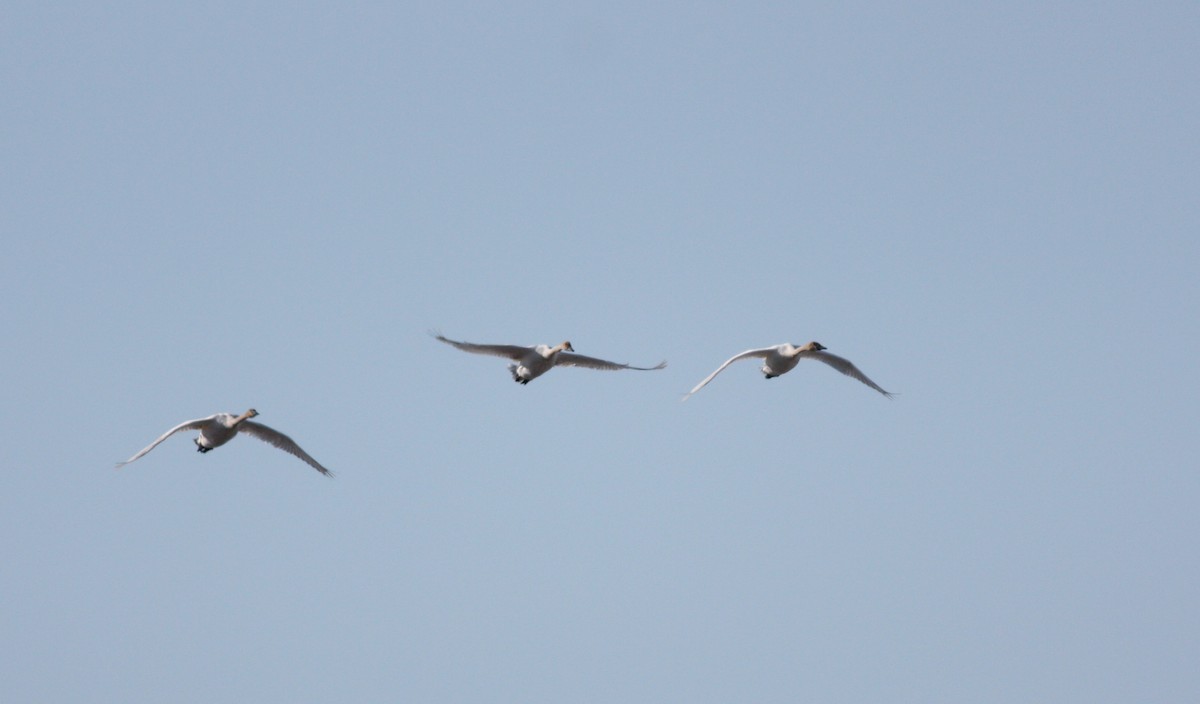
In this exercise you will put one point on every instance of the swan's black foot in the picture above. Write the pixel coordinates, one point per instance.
(770, 376)
(520, 381)
(200, 448)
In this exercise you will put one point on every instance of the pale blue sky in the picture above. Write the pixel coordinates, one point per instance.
(992, 211)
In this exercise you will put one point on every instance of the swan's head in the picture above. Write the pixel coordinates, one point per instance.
(813, 346)
(250, 413)
(565, 346)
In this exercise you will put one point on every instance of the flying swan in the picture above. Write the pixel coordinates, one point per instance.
(220, 428)
(531, 362)
(781, 359)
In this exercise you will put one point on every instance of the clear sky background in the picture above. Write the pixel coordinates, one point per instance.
(992, 210)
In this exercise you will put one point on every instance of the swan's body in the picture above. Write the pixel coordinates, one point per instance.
(781, 359)
(531, 362)
(220, 428)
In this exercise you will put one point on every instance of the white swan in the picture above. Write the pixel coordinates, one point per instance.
(781, 359)
(218, 429)
(531, 362)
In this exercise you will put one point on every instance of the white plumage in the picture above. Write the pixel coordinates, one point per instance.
(220, 428)
(781, 359)
(531, 362)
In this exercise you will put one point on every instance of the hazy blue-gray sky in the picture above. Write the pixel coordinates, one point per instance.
(993, 211)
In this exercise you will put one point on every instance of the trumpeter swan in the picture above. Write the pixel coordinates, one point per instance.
(781, 359)
(531, 362)
(220, 428)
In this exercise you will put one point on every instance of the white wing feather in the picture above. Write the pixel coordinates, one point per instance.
(283, 442)
(515, 352)
(186, 425)
(846, 367)
(569, 359)
(761, 352)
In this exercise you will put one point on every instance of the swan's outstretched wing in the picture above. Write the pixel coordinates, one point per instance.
(846, 367)
(761, 352)
(570, 359)
(283, 442)
(186, 425)
(509, 351)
